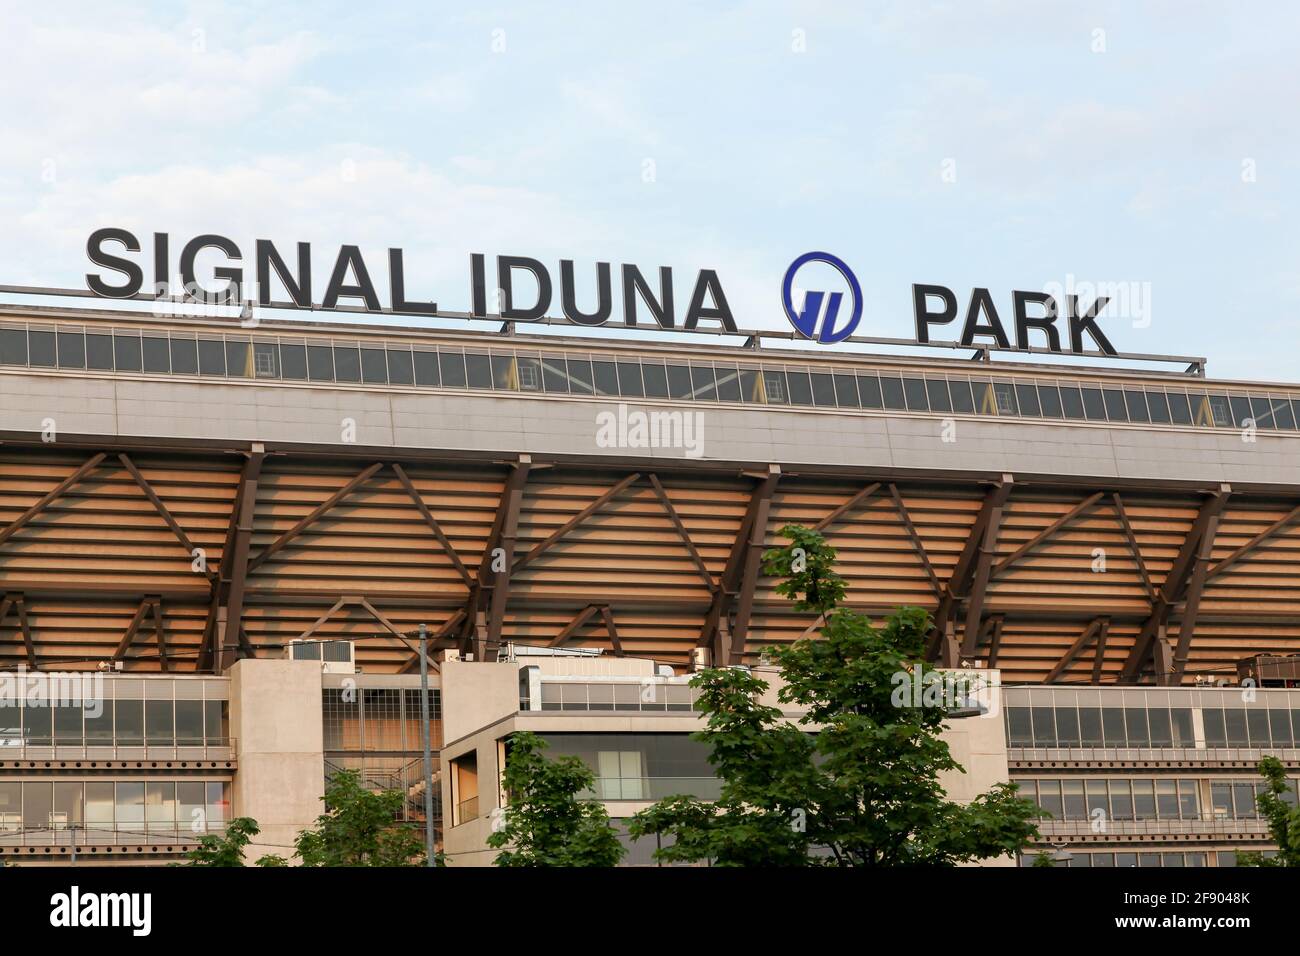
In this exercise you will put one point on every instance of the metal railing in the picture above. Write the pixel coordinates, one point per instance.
(80, 835)
(467, 810)
(215, 748)
(654, 788)
(1203, 824)
(1165, 754)
(616, 697)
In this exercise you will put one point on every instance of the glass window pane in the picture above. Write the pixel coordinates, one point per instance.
(1006, 398)
(1071, 402)
(239, 358)
(41, 346)
(130, 806)
(1222, 414)
(630, 383)
(1239, 408)
(400, 369)
(1179, 409)
(869, 390)
(751, 386)
(704, 386)
(72, 350)
(189, 723)
(914, 395)
(126, 352)
(158, 723)
(823, 386)
(846, 391)
(451, 368)
(529, 369)
(184, 356)
(1159, 405)
(374, 366)
(656, 379)
(1050, 399)
(962, 401)
(347, 363)
(212, 357)
(1093, 405)
(1137, 405)
(892, 390)
(13, 346)
(1135, 720)
(728, 383)
(606, 379)
(157, 354)
(426, 369)
(1027, 397)
(800, 387)
(774, 386)
(320, 363)
(1115, 409)
(580, 376)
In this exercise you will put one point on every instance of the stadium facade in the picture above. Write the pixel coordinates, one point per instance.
(188, 504)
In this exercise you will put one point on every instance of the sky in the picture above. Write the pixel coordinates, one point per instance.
(1146, 147)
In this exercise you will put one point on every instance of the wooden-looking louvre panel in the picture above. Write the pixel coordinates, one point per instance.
(374, 541)
(103, 534)
(628, 553)
(1090, 552)
(875, 553)
(100, 554)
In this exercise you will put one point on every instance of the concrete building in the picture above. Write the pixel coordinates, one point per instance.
(187, 505)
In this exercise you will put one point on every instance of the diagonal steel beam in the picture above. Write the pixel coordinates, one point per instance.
(131, 630)
(753, 562)
(576, 520)
(1277, 526)
(983, 560)
(161, 508)
(1082, 641)
(1192, 603)
(579, 619)
(855, 501)
(959, 581)
(18, 523)
(608, 617)
(442, 633)
(915, 539)
(352, 485)
(1043, 536)
(667, 503)
(498, 582)
(432, 522)
(1122, 513)
(20, 605)
(1174, 585)
(228, 635)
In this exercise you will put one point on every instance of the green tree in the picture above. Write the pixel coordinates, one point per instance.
(1283, 818)
(855, 783)
(360, 828)
(545, 822)
(227, 849)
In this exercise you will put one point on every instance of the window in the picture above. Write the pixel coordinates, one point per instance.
(41, 348)
(869, 390)
(963, 402)
(1094, 407)
(630, 382)
(1114, 400)
(266, 359)
(401, 370)
(1050, 399)
(679, 382)
(606, 378)
(13, 346)
(126, 352)
(892, 390)
(1027, 398)
(1158, 403)
(914, 395)
(451, 368)
(184, 356)
(212, 357)
(374, 366)
(846, 391)
(239, 358)
(800, 387)
(1137, 405)
(72, 349)
(347, 363)
(728, 383)
(530, 373)
(704, 385)
(823, 386)
(656, 380)
(1072, 402)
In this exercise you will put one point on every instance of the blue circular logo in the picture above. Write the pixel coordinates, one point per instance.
(808, 319)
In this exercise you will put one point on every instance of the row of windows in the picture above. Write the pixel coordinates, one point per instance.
(379, 719)
(197, 805)
(1099, 727)
(1069, 726)
(1118, 798)
(629, 697)
(1125, 798)
(232, 356)
(124, 723)
(1075, 859)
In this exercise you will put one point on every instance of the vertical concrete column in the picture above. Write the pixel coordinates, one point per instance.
(275, 718)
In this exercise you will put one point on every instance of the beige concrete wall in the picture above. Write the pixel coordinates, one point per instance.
(476, 694)
(275, 718)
